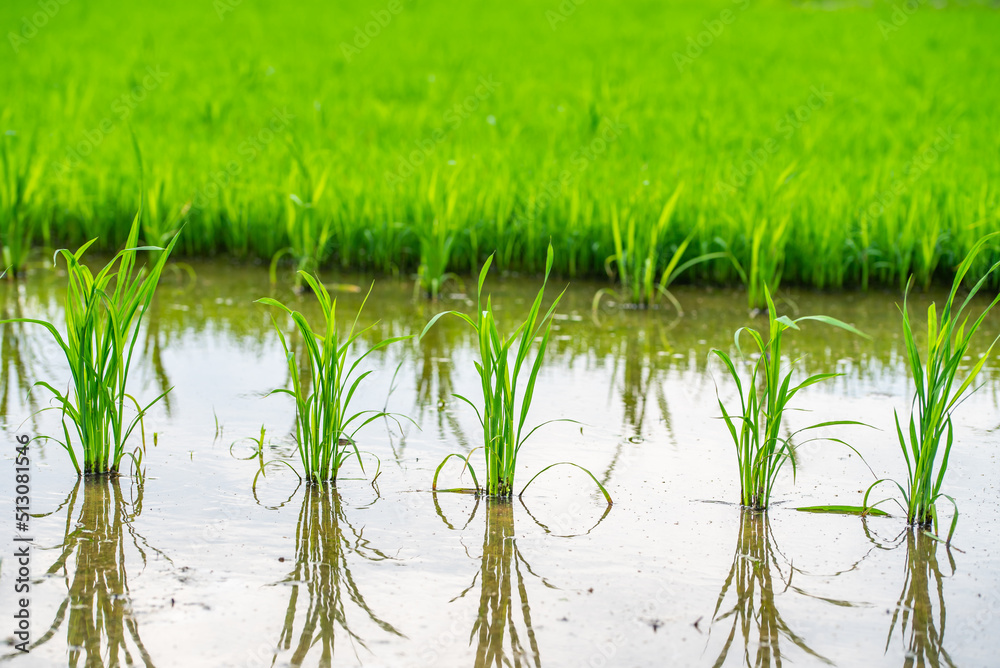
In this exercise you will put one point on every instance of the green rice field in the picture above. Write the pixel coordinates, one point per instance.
(564, 333)
(820, 143)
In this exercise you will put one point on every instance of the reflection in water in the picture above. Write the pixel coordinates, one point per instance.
(97, 611)
(433, 367)
(153, 351)
(324, 541)
(17, 358)
(503, 630)
(751, 579)
(635, 372)
(923, 590)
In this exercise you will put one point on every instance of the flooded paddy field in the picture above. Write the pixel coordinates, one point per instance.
(200, 565)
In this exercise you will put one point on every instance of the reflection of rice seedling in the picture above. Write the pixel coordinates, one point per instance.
(503, 416)
(751, 579)
(501, 574)
(103, 314)
(764, 398)
(914, 613)
(100, 626)
(324, 429)
(18, 356)
(324, 541)
(927, 442)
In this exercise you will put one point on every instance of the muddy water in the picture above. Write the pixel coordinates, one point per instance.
(197, 567)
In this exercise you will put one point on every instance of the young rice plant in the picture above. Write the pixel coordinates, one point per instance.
(103, 314)
(761, 451)
(504, 412)
(324, 427)
(927, 441)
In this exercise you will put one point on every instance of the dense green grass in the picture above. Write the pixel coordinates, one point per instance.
(815, 145)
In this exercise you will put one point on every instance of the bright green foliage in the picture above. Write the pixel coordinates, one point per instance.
(504, 412)
(817, 145)
(20, 176)
(637, 255)
(324, 387)
(761, 451)
(103, 314)
(436, 233)
(927, 442)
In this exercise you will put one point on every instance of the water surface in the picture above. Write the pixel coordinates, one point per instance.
(195, 567)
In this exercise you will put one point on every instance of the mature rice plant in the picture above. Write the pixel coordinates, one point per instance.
(761, 451)
(324, 427)
(927, 441)
(876, 192)
(309, 230)
(19, 183)
(504, 412)
(637, 256)
(103, 314)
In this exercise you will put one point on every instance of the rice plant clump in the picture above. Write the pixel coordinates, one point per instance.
(504, 412)
(103, 315)
(755, 428)
(324, 386)
(927, 441)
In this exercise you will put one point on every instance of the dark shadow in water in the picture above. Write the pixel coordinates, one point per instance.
(503, 631)
(920, 629)
(755, 580)
(325, 541)
(97, 611)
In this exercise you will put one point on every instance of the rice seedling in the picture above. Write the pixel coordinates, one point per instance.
(103, 315)
(755, 428)
(324, 426)
(504, 412)
(927, 440)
